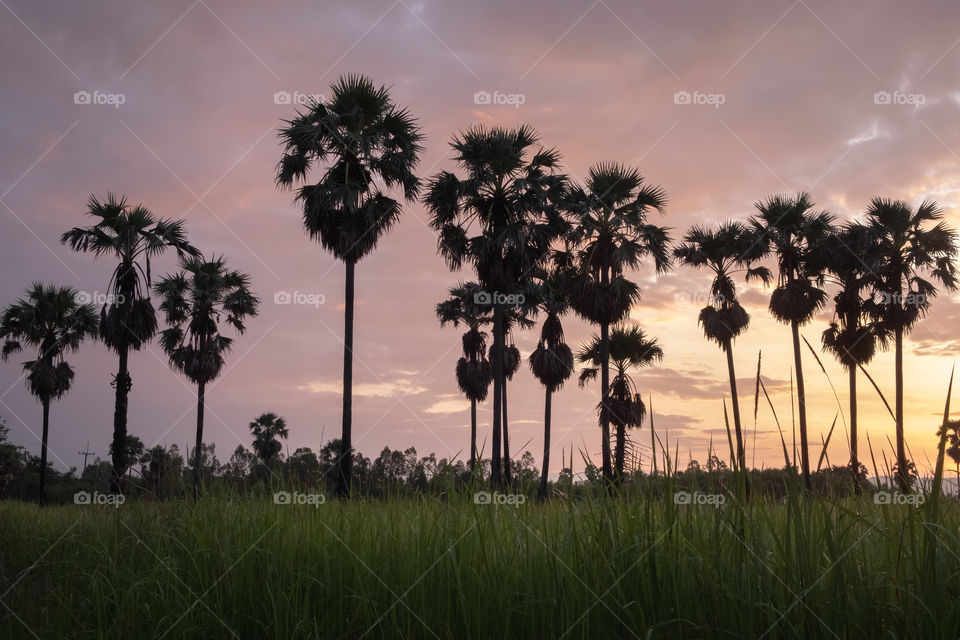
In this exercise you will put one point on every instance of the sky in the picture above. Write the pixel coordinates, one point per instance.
(177, 105)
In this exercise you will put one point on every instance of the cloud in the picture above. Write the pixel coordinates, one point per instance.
(394, 389)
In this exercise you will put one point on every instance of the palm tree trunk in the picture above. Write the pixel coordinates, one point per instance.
(43, 451)
(496, 479)
(122, 384)
(903, 474)
(507, 475)
(198, 447)
(542, 491)
(604, 392)
(473, 435)
(345, 463)
(801, 407)
(620, 455)
(854, 461)
(735, 401)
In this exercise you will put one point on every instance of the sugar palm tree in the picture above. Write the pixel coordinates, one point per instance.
(195, 301)
(267, 430)
(629, 349)
(474, 373)
(552, 361)
(796, 234)
(612, 233)
(357, 141)
(916, 250)
(727, 250)
(853, 336)
(132, 236)
(501, 218)
(51, 320)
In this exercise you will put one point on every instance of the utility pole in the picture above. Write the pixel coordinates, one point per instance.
(85, 454)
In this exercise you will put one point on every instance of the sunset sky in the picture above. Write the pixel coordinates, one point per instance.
(846, 100)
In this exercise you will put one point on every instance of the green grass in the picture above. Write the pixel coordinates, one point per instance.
(599, 568)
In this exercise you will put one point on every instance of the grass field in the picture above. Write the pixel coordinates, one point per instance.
(616, 568)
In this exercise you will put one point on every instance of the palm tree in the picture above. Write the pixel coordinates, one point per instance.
(511, 364)
(358, 137)
(552, 361)
(912, 256)
(474, 373)
(629, 348)
(132, 236)
(509, 200)
(789, 226)
(727, 250)
(852, 337)
(195, 301)
(51, 320)
(268, 430)
(612, 233)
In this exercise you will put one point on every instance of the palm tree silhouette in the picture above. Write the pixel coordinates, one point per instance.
(796, 234)
(51, 320)
(195, 301)
(474, 373)
(852, 337)
(552, 361)
(131, 235)
(511, 193)
(511, 364)
(727, 250)
(612, 233)
(359, 137)
(629, 348)
(268, 429)
(912, 255)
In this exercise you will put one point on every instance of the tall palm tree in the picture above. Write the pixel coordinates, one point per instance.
(51, 320)
(726, 250)
(552, 361)
(474, 373)
(612, 233)
(501, 218)
(629, 349)
(132, 236)
(195, 301)
(355, 139)
(267, 430)
(916, 250)
(796, 234)
(852, 336)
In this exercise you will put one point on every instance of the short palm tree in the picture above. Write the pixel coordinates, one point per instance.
(501, 218)
(132, 236)
(915, 250)
(612, 233)
(474, 373)
(796, 234)
(355, 140)
(852, 336)
(267, 431)
(195, 301)
(629, 349)
(51, 320)
(552, 361)
(725, 251)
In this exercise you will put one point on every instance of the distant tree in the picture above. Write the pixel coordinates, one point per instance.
(268, 430)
